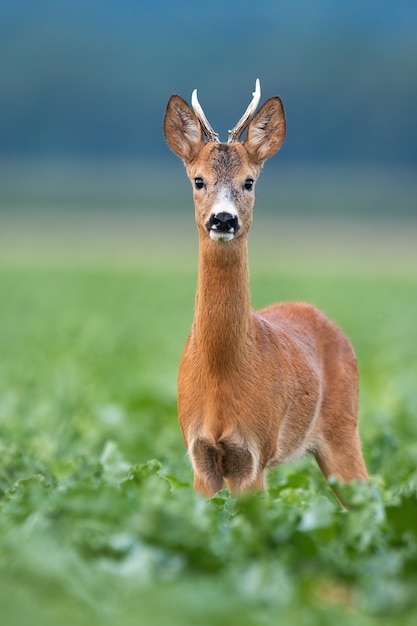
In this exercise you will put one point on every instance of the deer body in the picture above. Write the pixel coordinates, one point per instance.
(254, 388)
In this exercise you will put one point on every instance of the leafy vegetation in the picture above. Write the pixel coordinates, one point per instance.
(98, 520)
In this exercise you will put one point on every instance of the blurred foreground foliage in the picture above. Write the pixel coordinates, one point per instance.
(98, 520)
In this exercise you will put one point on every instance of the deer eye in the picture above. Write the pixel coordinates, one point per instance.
(198, 183)
(249, 184)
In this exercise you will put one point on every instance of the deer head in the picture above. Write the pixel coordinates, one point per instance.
(223, 175)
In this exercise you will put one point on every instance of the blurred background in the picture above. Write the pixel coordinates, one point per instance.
(84, 85)
(97, 279)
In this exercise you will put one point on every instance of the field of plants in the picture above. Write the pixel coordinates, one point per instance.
(99, 524)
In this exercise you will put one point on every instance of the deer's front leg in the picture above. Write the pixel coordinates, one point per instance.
(207, 486)
(205, 460)
(239, 487)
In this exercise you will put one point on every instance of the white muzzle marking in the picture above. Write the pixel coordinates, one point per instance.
(223, 205)
(216, 235)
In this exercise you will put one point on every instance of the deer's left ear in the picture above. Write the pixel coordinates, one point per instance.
(266, 131)
(182, 130)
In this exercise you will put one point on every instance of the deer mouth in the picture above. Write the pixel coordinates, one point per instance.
(222, 226)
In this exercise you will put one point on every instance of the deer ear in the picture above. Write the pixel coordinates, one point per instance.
(182, 130)
(266, 131)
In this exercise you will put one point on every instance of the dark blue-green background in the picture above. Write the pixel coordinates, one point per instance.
(84, 86)
(92, 78)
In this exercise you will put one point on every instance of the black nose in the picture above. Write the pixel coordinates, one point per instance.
(224, 222)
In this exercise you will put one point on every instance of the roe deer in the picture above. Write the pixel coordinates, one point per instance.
(254, 388)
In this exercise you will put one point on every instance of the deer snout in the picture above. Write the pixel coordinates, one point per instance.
(222, 226)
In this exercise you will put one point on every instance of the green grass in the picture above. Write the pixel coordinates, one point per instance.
(98, 520)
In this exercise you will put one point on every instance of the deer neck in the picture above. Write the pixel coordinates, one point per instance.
(222, 317)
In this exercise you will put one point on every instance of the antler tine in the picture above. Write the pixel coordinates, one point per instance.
(235, 133)
(207, 129)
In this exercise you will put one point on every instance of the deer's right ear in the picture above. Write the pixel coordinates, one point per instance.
(266, 131)
(182, 129)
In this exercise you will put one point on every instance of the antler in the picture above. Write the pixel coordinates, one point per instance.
(207, 129)
(235, 133)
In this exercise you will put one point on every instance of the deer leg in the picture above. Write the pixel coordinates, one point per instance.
(342, 458)
(205, 459)
(239, 487)
(208, 486)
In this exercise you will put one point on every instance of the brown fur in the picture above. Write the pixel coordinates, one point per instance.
(255, 388)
